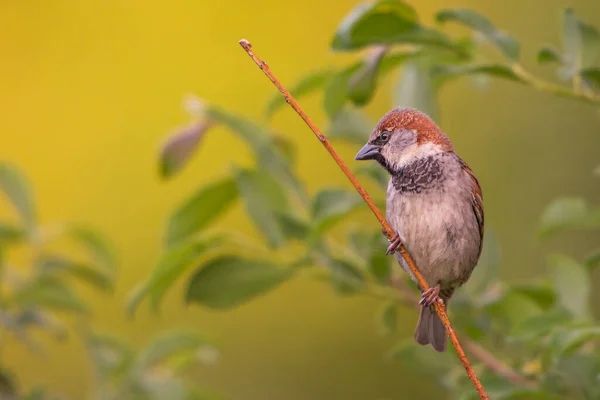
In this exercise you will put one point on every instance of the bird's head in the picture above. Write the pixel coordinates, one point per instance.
(401, 136)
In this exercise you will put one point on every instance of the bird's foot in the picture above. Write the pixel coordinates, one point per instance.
(430, 296)
(395, 242)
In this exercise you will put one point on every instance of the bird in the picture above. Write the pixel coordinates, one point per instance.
(434, 203)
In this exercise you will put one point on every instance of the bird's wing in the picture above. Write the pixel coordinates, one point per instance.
(476, 200)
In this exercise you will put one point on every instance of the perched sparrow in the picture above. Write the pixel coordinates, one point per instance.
(434, 203)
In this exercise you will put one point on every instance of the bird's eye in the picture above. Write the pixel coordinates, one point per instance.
(385, 136)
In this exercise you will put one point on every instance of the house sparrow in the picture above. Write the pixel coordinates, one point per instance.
(435, 205)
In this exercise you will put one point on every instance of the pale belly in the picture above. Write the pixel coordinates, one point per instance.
(439, 231)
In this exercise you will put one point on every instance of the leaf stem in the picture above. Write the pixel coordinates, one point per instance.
(439, 306)
(552, 88)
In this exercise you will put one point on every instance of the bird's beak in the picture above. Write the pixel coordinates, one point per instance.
(368, 152)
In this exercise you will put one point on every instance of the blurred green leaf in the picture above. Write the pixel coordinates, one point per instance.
(336, 90)
(206, 205)
(8, 387)
(292, 225)
(363, 83)
(16, 189)
(512, 309)
(54, 265)
(505, 43)
(286, 147)
(572, 284)
(265, 199)
(350, 125)
(498, 71)
(329, 207)
(422, 359)
(180, 146)
(567, 212)
(568, 340)
(168, 346)
(592, 77)
(96, 245)
(229, 281)
(549, 54)
(385, 22)
(537, 325)
(41, 319)
(542, 294)
(374, 172)
(171, 265)
(581, 43)
(488, 265)
(111, 355)
(269, 157)
(415, 89)
(592, 261)
(10, 233)
(346, 277)
(388, 318)
(308, 84)
(48, 291)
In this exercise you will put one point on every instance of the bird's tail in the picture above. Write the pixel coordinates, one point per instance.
(430, 329)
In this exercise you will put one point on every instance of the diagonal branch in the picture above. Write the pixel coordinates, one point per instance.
(440, 308)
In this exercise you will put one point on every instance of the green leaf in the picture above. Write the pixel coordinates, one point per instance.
(563, 213)
(171, 265)
(363, 83)
(572, 284)
(443, 74)
(350, 125)
(385, 22)
(292, 225)
(592, 261)
(269, 157)
(286, 147)
(96, 245)
(538, 325)
(16, 188)
(346, 277)
(111, 355)
(374, 172)
(306, 85)
(488, 265)
(206, 205)
(336, 90)
(421, 359)
(581, 43)
(592, 77)
(48, 292)
(329, 207)
(415, 89)
(8, 387)
(567, 341)
(229, 281)
(10, 233)
(549, 54)
(180, 146)
(265, 199)
(388, 318)
(170, 345)
(543, 295)
(505, 43)
(53, 265)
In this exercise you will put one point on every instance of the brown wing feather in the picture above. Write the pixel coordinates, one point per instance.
(477, 201)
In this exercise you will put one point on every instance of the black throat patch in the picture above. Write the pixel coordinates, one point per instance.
(423, 173)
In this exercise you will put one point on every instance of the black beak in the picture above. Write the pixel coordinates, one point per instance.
(368, 152)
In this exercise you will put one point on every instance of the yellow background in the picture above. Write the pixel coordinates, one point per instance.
(88, 90)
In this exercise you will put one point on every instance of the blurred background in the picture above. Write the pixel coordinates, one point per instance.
(89, 89)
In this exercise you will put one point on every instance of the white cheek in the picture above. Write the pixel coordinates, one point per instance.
(410, 153)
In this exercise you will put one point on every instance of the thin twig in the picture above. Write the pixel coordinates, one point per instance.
(440, 308)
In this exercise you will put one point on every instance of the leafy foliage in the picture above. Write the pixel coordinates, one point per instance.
(544, 332)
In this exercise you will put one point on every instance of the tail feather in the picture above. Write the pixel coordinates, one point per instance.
(430, 330)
